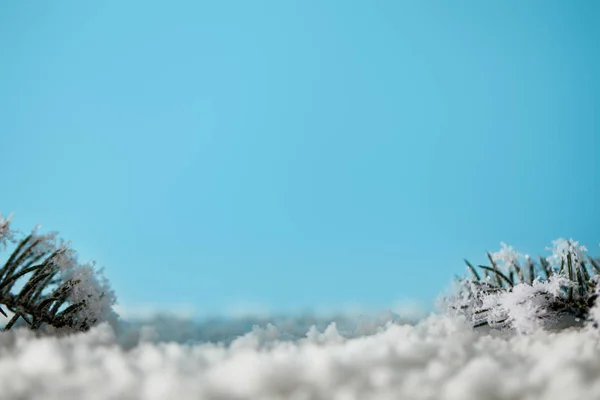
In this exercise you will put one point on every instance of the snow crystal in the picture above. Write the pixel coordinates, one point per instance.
(506, 257)
(6, 235)
(561, 248)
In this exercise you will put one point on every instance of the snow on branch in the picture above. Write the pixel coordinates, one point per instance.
(43, 284)
(517, 293)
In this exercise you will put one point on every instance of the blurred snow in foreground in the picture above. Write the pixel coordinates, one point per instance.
(441, 357)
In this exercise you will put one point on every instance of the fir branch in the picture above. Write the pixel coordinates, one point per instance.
(51, 276)
(567, 286)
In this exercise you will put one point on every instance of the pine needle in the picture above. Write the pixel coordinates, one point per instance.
(498, 275)
(494, 269)
(473, 271)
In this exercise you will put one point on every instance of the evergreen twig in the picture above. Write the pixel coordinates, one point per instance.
(46, 297)
(580, 287)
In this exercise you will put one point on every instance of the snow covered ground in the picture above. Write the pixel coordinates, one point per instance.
(441, 357)
(300, 358)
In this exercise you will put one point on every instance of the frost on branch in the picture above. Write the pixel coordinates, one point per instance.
(514, 292)
(6, 234)
(43, 284)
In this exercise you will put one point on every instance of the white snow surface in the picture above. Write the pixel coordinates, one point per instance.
(440, 357)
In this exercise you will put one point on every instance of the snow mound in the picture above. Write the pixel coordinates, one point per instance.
(441, 357)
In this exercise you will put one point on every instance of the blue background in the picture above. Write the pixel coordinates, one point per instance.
(292, 155)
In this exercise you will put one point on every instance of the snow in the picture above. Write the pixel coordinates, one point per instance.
(562, 247)
(525, 306)
(507, 257)
(441, 357)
